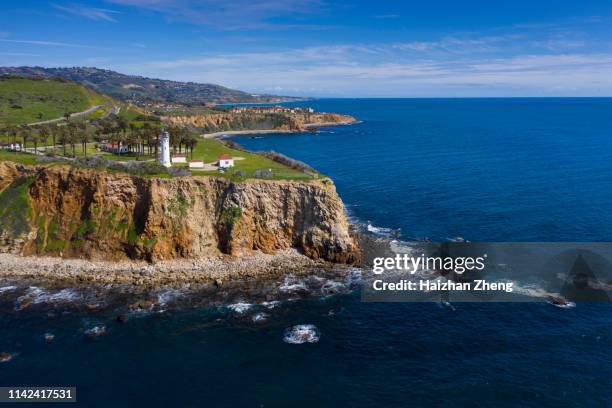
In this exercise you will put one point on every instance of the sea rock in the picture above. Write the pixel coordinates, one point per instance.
(23, 303)
(5, 357)
(95, 332)
(141, 305)
(49, 337)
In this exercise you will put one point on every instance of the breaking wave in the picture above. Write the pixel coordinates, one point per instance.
(302, 333)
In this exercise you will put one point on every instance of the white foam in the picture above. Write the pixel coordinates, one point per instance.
(292, 284)
(271, 304)
(382, 231)
(259, 317)
(332, 288)
(96, 331)
(168, 295)
(39, 295)
(301, 333)
(7, 289)
(240, 307)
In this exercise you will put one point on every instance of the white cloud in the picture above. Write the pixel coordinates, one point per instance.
(91, 13)
(351, 71)
(230, 14)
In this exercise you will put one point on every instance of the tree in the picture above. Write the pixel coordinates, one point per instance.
(24, 133)
(190, 142)
(53, 132)
(43, 133)
(83, 137)
(72, 137)
(63, 137)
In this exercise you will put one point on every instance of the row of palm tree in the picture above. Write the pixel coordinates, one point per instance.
(141, 140)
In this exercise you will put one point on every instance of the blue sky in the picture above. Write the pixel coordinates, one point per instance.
(328, 48)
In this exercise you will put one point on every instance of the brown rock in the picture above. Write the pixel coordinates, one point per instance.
(5, 357)
(143, 304)
(91, 214)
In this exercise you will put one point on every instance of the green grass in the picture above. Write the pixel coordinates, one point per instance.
(23, 158)
(15, 210)
(24, 100)
(209, 150)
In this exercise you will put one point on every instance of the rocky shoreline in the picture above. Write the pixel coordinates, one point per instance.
(217, 270)
(307, 127)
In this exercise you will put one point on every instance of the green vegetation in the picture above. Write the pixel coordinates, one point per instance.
(129, 129)
(15, 210)
(246, 163)
(230, 215)
(139, 89)
(27, 100)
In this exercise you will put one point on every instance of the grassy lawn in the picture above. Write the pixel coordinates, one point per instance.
(23, 158)
(209, 151)
(32, 100)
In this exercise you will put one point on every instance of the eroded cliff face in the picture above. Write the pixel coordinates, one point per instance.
(214, 122)
(73, 212)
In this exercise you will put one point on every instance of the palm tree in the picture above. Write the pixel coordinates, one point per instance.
(44, 135)
(83, 137)
(63, 137)
(72, 137)
(24, 132)
(53, 132)
(190, 142)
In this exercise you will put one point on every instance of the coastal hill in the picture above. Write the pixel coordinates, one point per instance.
(86, 213)
(138, 89)
(28, 100)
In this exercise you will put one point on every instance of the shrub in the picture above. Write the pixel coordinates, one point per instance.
(263, 173)
(288, 161)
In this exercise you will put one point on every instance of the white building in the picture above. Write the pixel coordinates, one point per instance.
(164, 149)
(226, 161)
(196, 164)
(179, 158)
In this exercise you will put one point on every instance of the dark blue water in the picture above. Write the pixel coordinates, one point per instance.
(486, 169)
(490, 169)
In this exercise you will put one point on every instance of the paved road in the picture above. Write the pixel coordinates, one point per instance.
(73, 115)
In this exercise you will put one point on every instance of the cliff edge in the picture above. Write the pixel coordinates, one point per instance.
(84, 213)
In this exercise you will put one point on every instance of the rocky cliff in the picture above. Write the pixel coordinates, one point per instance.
(215, 122)
(73, 212)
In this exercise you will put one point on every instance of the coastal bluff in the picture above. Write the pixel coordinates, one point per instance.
(218, 122)
(73, 212)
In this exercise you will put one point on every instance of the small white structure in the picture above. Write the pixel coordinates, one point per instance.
(196, 164)
(116, 148)
(179, 158)
(226, 161)
(11, 146)
(164, 149)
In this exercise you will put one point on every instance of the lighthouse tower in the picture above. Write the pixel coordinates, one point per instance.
(164, 149)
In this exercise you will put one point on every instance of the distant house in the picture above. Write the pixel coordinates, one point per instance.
(179, 158)
(226, 161)
(196, 164)
(116, 148)
(10, 146)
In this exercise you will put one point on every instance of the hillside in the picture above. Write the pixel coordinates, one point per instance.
(140, 89)
(28, 100)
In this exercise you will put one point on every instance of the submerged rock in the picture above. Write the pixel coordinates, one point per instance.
(95, 332)
(141, 305)
(122, 318)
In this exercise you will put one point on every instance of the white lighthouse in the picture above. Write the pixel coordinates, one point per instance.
(164, 149)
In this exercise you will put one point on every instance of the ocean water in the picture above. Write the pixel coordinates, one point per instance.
(484, 169)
